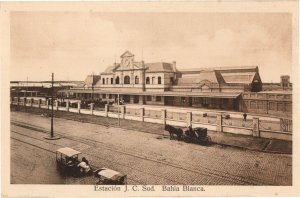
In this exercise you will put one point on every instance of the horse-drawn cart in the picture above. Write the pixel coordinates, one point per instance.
(197, 135)
(194, 135)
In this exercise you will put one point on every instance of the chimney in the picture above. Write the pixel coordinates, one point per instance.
(174, 66)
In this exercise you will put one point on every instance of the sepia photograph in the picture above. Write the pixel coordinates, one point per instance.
(137, 100)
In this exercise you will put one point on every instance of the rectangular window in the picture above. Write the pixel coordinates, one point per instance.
(273, 106)
(183, 100)
(252, 105)
(288, 107)
(158, 98)
(281, 107)
(260, 105)
(149, 98)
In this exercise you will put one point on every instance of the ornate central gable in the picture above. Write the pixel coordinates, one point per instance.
(127, 60)
(127, 54)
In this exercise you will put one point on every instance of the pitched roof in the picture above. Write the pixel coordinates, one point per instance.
(110, 69)
(91, 79)
(205, 75)
(239, 77)
(233, 68)
(159, 67)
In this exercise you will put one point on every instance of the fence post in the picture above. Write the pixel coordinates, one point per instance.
(67, 106)
(92, 108)
(78, 107)
(256, 127)
(163, 116)
(39, 103)
(25, 102)
(56, 105)
(18, 101)
(142, 114)
(47, 103)
(123, 112)
(31, 102)
(106, 110)
(188, 119)
(219, 122)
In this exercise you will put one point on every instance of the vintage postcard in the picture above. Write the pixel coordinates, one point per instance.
(134, 99)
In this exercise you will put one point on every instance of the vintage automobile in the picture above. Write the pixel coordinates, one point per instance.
(67, 162)
(110, 177)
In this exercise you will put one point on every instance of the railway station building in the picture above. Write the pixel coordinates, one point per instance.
(162, 83)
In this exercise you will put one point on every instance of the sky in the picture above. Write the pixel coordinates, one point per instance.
(76, 44)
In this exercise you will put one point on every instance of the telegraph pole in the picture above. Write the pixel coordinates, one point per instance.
(26, 93)
(93, 86)
(52, 89)
(118, 109)
(52, 137)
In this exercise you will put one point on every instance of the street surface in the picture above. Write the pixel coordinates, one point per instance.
(146, 158)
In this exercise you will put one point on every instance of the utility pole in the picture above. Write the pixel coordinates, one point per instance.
(26, 86)
(118, 109)
(93, 86)
(26, 93)
(52, 90)
(52, 137)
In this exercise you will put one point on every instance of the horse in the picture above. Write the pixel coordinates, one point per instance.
(172, 130)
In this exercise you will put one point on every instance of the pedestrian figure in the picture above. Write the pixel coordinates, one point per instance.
(245, 116)
(84, 166)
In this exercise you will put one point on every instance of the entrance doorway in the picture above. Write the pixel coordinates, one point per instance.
(126, 98)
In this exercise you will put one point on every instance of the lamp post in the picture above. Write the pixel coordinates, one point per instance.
(52, 137)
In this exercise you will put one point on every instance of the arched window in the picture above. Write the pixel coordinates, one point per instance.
(103, 81)
(136, 80)
(147, 80)
(111, 81)
(126, 80)
(159, 80)
(153, 79)
(117, 80)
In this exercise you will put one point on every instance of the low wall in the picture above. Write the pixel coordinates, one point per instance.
(237, 130)
(266, 127)
(276, 135)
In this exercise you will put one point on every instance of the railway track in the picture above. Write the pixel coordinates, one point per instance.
(191, 168)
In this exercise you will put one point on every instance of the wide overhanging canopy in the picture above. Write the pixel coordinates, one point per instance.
(167, 93)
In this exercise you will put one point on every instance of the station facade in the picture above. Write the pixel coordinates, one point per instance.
(162, 83)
